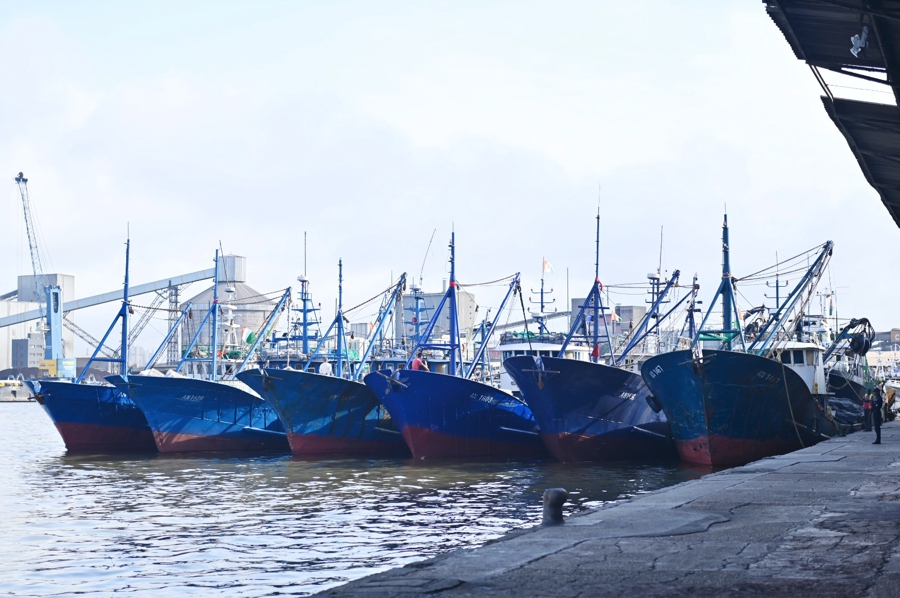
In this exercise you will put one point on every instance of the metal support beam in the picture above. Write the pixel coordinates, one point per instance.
(150, 287)
(87, 337)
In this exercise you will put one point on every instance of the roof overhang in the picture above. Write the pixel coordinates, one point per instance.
(819, 32)
(873, 133)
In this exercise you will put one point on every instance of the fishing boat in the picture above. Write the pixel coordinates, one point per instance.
(759, 393)
(849, 378)
(543, 343)
(450, 414)
(333, 414)
(97, 417)
(216, 414)
(596, 409)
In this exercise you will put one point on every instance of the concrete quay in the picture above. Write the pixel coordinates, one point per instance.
(823, 521)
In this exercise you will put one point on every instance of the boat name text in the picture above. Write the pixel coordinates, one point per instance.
(767, 377)
(483, 398)
(655, 371)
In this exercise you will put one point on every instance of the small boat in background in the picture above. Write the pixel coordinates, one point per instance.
(333, 414)
(450, 414)
(218, 414)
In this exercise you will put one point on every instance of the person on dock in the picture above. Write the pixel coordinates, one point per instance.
(877, 405)
(867, 411)
(325, 368)
(418, 363)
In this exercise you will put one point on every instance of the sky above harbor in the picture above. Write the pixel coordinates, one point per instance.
(369, 126)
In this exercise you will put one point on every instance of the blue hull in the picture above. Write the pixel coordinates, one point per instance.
(734, 408)
(95, 418)
(590, 411)
(187, 415)
(446, 416)
(325, 415)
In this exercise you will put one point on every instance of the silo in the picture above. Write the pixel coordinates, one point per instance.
(243, 309)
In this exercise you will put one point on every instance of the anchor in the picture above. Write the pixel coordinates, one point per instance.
(540, 376)
(392, 381)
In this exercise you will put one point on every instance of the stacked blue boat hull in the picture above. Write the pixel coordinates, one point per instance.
(325, 415)
(590, 411)
(188, 415)
(448, 416)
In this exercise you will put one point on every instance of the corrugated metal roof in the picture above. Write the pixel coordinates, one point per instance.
(819, 32)
(873, 133)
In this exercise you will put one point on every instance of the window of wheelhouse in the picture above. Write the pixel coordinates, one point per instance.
(798, 356)
(786, 357)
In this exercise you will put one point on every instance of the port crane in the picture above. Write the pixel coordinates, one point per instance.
(54, 315)
(48, 297)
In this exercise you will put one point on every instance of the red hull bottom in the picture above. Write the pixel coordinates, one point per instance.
(428, 444)
(722, 450)
(93, 438)
(582, 447)
(310, 444)
(189, 443)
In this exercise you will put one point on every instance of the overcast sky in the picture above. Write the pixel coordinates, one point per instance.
(369, 125)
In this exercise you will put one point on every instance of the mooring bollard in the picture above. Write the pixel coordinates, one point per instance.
(554, 499)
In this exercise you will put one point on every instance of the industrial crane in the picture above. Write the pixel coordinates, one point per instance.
(48, 297)
(40, 284)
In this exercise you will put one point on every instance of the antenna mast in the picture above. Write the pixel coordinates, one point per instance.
(422, 269)
(659, 268)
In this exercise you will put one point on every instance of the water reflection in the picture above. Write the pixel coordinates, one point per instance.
(258, 526)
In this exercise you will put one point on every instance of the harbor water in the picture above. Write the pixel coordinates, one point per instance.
(258, 526)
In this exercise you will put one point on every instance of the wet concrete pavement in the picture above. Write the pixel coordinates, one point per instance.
(823, 521)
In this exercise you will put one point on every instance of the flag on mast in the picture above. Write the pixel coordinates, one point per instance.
(548, 267)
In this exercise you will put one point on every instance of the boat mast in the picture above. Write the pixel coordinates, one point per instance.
(304, 297)
(541, 317)
(125, 308)
(339, 317)
(417, 309)
(122, 359)
(690, 323)
(598, 305)
(454, 316)
(452, 346)
(392, 299)
(727, 296)
(729, 305)
(596, 358)
(594, 301)
(215, 322)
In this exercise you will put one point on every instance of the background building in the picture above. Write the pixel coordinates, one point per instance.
(22, 300)
(405, 327)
